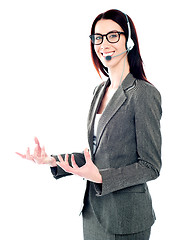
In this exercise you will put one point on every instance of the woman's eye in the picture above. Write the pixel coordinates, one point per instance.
(113, 36)
(98, 37)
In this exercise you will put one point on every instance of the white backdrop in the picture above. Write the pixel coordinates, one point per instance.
(46, 84)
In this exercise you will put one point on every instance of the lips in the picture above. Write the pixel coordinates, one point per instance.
(105, 54)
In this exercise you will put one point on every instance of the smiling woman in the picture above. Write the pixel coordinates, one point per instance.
(119, 22)
(123, 135)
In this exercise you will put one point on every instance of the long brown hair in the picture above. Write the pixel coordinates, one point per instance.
(134, 57)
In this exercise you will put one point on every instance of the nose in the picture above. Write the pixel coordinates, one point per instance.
(105, 42)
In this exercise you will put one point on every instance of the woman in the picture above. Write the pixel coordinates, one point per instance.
(124, 138)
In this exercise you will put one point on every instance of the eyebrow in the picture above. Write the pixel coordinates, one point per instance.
(109, 32)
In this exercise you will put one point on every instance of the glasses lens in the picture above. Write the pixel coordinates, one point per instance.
(96, 39)
(113, 37)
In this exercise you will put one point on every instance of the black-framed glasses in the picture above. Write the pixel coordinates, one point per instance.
(112, 37)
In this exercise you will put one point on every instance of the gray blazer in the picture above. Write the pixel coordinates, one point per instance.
(128, 154)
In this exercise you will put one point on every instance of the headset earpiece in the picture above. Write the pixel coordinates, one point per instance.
(130, 44)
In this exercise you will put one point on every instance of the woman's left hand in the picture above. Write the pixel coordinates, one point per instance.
(88, 171)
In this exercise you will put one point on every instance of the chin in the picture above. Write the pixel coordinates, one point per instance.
(109, 64)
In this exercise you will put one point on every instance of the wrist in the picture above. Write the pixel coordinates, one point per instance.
(52, 162)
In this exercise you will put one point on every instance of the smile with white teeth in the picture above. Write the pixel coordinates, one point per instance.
(107, 54)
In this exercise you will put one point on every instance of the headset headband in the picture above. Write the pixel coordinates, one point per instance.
(130, 42)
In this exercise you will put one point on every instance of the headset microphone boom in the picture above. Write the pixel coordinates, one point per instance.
(108, 58)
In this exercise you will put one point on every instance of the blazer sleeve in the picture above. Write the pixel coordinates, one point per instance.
(147, 110)
(58, 172)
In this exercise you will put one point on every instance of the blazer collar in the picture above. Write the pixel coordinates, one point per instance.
(128, 82)
(112, 107)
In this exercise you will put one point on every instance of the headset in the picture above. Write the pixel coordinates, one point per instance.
(129, 44)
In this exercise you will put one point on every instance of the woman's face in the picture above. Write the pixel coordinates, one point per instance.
(106, 48)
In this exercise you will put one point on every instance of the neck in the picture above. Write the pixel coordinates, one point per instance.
(118, 74)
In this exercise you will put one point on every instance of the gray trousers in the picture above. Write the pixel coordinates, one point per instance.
(92, 229)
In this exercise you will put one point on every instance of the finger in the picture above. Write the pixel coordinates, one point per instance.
(66, 159)
(28, 156)
(74, 165)
(37, 141)
(43, 153)
(87, 155)
(21, 155)
(64, 164)
(37, 152)
(38, 145)
(60, 158)
(61, 161)
(28, 153)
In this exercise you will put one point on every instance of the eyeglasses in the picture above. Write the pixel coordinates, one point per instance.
(112, 37)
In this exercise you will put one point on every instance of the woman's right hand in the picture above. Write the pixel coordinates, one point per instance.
(39, 156)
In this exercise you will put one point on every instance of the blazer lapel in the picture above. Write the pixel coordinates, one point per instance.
(99, 94)
(112, 107)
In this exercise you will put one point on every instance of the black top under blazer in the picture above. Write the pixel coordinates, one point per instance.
(128, 154)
